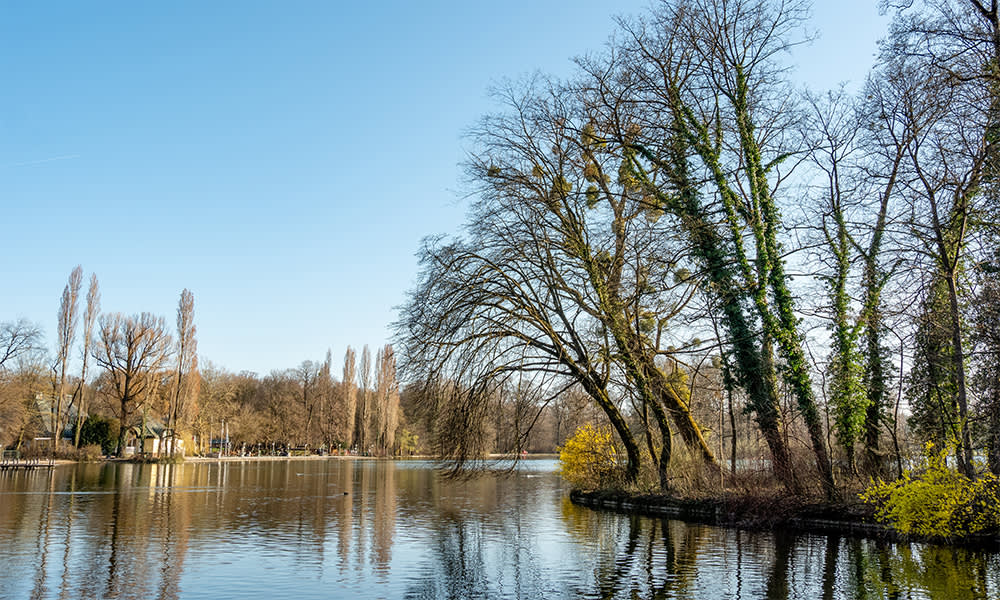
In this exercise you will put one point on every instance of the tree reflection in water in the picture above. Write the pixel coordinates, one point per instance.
(658, 558)
(369, 529)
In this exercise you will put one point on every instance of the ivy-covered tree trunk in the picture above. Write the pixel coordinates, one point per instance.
(965, 464)
(874, 372)
(784, 324)
(931, 388)
(874, 382)
(835, 128)
(849, 401)
(993, 428)
(708, 246)
(768, 279)
(986, 350)
(798, 378)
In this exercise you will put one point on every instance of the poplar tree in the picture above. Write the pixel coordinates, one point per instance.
(68, 318)
(386, 402)
(186, 366)
(362, 431)
(89, 319)
(348, 400)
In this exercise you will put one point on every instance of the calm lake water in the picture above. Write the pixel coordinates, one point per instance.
(382, 529)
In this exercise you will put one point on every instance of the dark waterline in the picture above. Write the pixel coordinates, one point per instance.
(286, 529)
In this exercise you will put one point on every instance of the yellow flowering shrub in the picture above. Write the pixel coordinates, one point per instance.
(937, 501)
(589, 459)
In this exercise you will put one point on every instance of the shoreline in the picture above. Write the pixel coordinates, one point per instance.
(263, 458)
(267, 457)
(788, 514)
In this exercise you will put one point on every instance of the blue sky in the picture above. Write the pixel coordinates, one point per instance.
(282, 160)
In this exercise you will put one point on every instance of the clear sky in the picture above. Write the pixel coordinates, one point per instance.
(282, 160)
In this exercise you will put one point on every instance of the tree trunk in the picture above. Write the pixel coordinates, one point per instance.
(993, 434)
(620, 426)
(875, 388)
(123, 429)
(965, 463)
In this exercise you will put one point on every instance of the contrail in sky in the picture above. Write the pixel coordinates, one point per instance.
(38, 162)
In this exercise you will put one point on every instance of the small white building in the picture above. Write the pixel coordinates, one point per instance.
(156, 441)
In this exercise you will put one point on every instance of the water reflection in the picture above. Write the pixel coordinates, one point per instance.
(668, 559)
(369, 529)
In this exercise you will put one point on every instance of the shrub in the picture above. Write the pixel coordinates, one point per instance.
(43, 449)
(101, 431)
(937, 501)
(590, 460)
(90, 453)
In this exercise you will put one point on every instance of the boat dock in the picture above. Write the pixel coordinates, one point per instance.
(12, 462)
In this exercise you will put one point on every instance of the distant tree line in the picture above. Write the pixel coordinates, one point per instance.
(308, 406)
(147, 375)
(139, 377)
(148, 382)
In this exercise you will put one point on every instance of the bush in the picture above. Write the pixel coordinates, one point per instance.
(43, 449)
(590, 460)
(90, 453)
(100, 431)
(936, 501)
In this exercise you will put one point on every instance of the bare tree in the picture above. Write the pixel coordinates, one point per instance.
(228, 398)
(307, 376)
(942, 60)
(386, 401)
(348, 400)
(89, 319)
(279, 399)
(185, 370)
(697, 98)
(886, 133)
(362, 437)
(986, 316)
(566, 279)
(547, 178)
(17, 339)
(132, 350)
(68, 317)
(324, 393)
(22, 370)
(833, 126)
(486, 312)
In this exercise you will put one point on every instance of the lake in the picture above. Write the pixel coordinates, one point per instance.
(303, 529)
